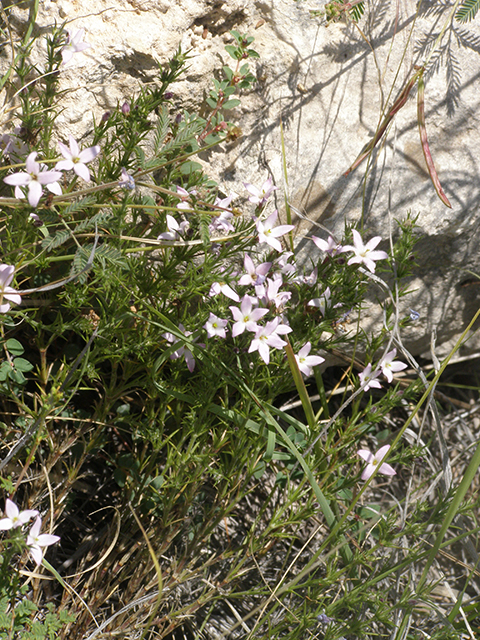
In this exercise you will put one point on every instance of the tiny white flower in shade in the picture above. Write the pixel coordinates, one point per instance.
(373, 461)
(323, 303)
(364, 253)
(182, 351)
(15, 518)
(414, 315)
(38, 541)
(389, 366)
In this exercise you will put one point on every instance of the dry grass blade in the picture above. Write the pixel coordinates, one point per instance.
(398, 104)
(426, 149)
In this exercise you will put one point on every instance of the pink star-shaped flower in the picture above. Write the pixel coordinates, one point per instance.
(254, 275)
(373, 461)
(35, 180)
(364, 253)
(246, 317)
(215, 326)
(273, 293)
(268, 336)
(260, 196)
(269, 234)
(76, 159)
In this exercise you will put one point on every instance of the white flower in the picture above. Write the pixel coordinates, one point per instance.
(268, 336)
(175, 230)
(126, 181)
(215, 326)
(35, 179)
(329, 246)
(260, 196)
(365, 252)
(306, 362)
(76, 159)
(375, 460)
(182, 351)
(370, 378)
(323, 302)
(310, 280)
(269, 234)
(246, 317)
(36, 541)
(222, 222)
(389, 367)
(255, 275)
(184, 197)
(74, 45)
(6, 276)
(226, 289)
(15, 518)
(273, 294)
(13, 146)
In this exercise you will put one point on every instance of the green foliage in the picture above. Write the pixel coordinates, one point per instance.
(18, 625)
(119, 403)
(241, 51)
(467, 11)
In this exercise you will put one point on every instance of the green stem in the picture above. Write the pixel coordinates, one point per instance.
(301, 388)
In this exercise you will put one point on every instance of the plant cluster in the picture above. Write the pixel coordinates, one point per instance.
(154, 332)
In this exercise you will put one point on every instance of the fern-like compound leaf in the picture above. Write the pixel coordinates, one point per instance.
(467, 11)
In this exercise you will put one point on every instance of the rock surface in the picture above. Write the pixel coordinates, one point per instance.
(327, 85)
